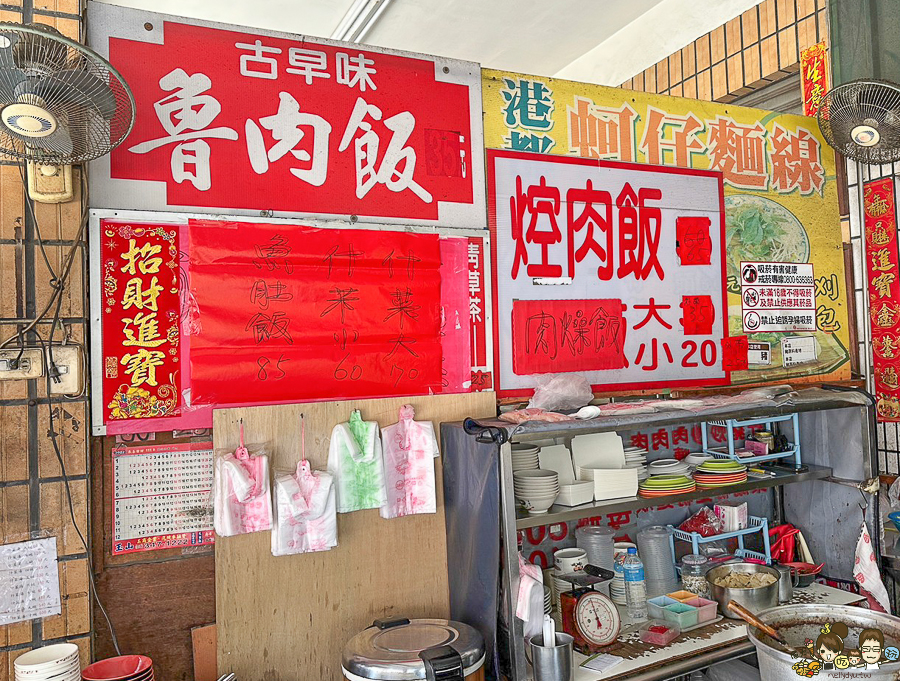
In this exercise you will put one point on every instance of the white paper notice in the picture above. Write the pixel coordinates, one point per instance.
(799, 350)
(602, 662)
(29, 581)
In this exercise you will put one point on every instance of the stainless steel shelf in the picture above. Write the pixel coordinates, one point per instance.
(561, 514)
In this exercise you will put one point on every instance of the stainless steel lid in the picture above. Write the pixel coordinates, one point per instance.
(392, 653)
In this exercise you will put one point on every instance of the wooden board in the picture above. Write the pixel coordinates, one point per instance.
(288, 618)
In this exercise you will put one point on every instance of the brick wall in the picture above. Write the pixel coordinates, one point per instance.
(759, 47)
(32, 497)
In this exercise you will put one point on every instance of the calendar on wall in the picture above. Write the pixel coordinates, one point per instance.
(162, 497)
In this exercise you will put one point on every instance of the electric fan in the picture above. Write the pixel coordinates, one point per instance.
(60, 102)
(861, 120)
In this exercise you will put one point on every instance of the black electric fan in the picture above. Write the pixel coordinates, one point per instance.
(861, 120)
(60, 102)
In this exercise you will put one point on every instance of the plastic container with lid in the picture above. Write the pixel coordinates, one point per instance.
(400, 649)
(693, 574)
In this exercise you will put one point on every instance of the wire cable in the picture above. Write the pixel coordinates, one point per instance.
(52, 373)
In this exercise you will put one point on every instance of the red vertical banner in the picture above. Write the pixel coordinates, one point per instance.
(482, 378)
(883, 277)
(814, 77)
(140, 317)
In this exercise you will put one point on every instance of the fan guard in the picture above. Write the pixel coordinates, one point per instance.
(861, 120)
(60, 102)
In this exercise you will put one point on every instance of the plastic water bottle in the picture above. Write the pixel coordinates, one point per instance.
(635, 588)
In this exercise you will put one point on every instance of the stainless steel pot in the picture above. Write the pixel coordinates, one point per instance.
(756, 599)
(796, 623)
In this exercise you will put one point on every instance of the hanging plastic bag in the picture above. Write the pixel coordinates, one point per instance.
(563, 391)
(410, 448)
(242, 498)
(355, 462)
(305, 515)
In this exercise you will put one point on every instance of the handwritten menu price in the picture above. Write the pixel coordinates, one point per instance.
(162, 496)
(30, 581)
(312, 314)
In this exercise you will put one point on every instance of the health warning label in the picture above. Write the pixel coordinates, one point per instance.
(778, 296)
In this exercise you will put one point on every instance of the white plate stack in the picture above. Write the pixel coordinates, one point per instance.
(524, 457)
(536, 489)
(668, 467)
(656, 555)
(617, 585)
(58, 662)
(559, 586)
(548, 600)
(636, 457)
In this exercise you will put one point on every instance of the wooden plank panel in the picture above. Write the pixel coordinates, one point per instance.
(12, 202)
(288, 618)
(703, 53)
(69, 421)
(750, 27)
(13, 442)
(733, 36)
(704, 86)
(767, 21)
(204, 643)
(154, 606)
(14, 515)
(56, 519)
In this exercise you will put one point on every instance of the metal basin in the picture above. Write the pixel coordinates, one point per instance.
(755, 599)
(796, 623)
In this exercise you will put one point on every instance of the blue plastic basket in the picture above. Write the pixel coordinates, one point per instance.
(895, 518)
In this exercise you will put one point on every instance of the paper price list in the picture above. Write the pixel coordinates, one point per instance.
(162, 489)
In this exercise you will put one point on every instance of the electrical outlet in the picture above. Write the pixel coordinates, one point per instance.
(15, 368)
(70, 364)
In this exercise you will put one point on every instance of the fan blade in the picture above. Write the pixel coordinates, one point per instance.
(78, 87)
(10, 75)
(57, 143)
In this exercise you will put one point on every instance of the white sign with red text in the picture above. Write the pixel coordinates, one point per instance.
(638, 254)
(248, 122)
(778, 296)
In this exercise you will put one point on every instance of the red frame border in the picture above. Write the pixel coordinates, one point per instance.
(492, 155)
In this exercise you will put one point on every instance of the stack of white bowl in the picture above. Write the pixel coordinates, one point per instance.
(524, 457)
(636, 457)
(696, 458)
(536, 489)
(668, 467)
(58, 662)
(548, 600)
(617, 585)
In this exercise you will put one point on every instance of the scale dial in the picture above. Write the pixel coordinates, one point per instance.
(597, 619)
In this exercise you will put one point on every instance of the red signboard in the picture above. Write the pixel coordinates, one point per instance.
(814, 77)
(240, 121)
(883, 276)
(478, 298)
(567, 335)
(140, 320)
(298, 313)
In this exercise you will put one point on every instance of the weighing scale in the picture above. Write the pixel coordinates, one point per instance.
(590, 617)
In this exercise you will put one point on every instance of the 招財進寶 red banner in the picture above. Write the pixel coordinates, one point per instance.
(140, 317)
(883, 277)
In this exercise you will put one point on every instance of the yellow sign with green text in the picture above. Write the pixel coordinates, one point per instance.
(784, 265)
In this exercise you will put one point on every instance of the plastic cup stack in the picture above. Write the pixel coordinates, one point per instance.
(597, 543)
(656, 554)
